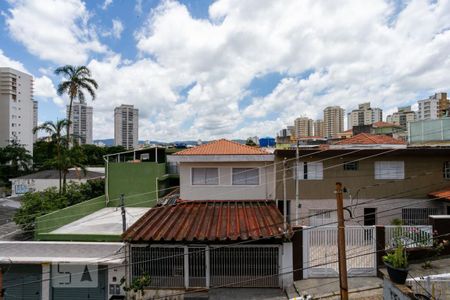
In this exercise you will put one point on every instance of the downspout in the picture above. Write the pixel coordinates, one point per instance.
(266, 180)
(106, 180)
(156, 189)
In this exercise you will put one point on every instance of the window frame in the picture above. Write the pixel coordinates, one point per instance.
(243, 172)
(206, 180)
(305, 173)
(387, 173)
(350, 163)
(446, 170)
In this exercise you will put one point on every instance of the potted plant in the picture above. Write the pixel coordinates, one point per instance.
(397, 264)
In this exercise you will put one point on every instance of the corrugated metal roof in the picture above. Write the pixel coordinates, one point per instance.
(209, 221)
(441, 194)
(223, 147)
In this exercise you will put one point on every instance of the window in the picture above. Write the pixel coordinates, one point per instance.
(320, 217)
(446, 170)
(389, 170)
(205, 176)
(245, 176)
(310, 170)
(351, 166)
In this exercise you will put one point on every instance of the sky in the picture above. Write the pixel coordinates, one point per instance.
(202, 69)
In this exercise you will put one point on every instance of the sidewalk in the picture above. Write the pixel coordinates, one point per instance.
(328, 288)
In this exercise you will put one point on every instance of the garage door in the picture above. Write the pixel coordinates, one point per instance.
(22, 282)
(79, 282)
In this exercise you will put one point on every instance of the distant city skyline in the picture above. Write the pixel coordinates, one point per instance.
(238, 79)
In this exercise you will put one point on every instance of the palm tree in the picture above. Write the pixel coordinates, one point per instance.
(77, 81)
(56, 134)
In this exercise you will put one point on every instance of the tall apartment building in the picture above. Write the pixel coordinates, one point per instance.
(402, 117)
(81, 126)
(126, 126)
(303, 127)
(434, 107)
(16, 108)
(333, 118)
(319, 128)
(364, 115)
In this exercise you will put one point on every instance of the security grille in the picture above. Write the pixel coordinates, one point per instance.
(165, 265)
(244, 266)
(418, 216)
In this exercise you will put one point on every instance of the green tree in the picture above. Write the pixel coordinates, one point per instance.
(15, 161)
(250, 142)
(55, 132)
(41, 203)
(77, 80)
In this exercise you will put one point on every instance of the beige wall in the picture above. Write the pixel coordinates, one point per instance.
(225, 190)
(415, 188)
(386, 210)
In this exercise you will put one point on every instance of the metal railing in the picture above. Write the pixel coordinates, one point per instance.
(411, 236)
(433, 286)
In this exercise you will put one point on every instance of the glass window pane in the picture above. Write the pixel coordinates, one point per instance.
(245, 176)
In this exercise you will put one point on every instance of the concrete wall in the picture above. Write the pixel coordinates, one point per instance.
(21, 186)
(354, 181)
(386, 209)
(225, 190)
(137, 181)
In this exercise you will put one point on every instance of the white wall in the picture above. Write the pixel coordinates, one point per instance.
(225, 190)
(37, 185)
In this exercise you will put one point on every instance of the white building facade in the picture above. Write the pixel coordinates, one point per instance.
(364, 115)
(126, 126)
(81, 126)
(333, 118)
(18, 111)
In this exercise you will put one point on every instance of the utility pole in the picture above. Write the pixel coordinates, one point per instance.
(297, 195)
(284, 195)
(124, 217)
(341, 242)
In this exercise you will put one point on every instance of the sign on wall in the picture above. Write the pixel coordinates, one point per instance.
(67, 275)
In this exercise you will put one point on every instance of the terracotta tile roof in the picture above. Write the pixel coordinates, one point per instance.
(441, 194)
(223, 147)
(384, 124)
(370, 139)
(208, 221)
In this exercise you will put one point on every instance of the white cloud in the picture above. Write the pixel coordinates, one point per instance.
(354, 51)
(106, 4)
(10, 63)
(117, 28)
(45, 89)
(54, 30)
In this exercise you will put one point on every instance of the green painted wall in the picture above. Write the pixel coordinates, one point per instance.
(137, 181)
(56, 219)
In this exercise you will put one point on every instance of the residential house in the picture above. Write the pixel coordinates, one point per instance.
(383, 178)
(225, 230)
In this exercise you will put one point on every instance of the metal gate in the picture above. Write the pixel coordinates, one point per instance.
(197, 266)
(320, 246)
(246, 266)
(24, 282)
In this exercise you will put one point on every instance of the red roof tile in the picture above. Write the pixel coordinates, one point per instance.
(384, 124)
(208, 221)
(441, 194)
(370, 139)
(223, 147)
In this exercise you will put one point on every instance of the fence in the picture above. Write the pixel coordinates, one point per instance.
(419, 216)
(321, 251)
(433, 286)
(411, 236)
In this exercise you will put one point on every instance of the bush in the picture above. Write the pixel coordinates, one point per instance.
(41, 203)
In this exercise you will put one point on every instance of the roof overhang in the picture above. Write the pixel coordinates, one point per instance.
(220, 158)
(60, 252)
